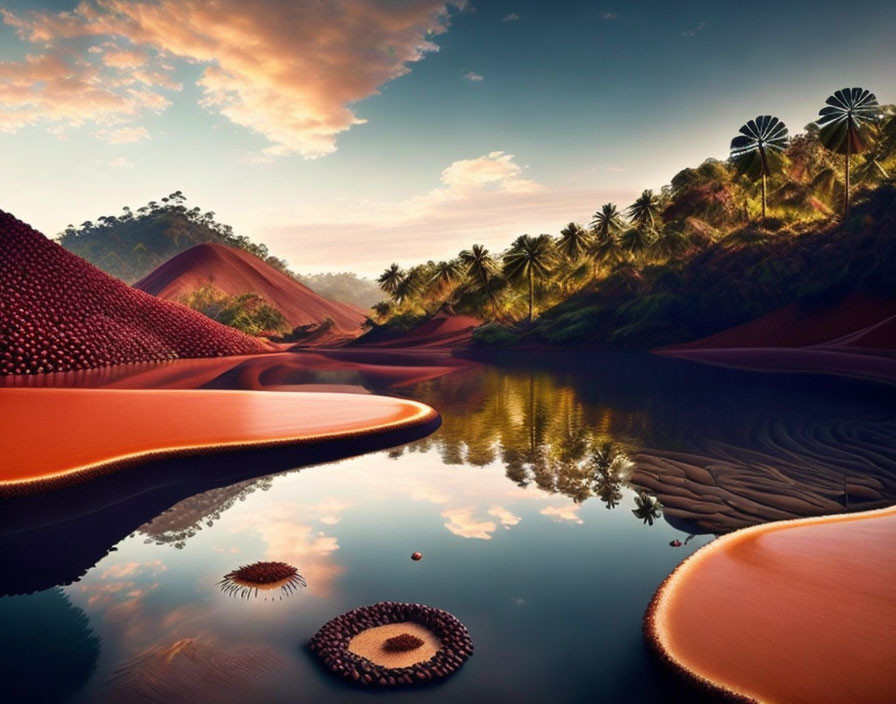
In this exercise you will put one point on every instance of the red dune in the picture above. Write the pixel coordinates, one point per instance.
(440, 331)
(235, 272)
(99, 428)
(794, 326)
(796, 611)
(59, 313)
(856, 338)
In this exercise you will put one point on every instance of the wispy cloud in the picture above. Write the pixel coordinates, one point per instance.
(693, 32)
(610, 16)
(464, 523)
(567, 512)
(471, 76)
(289, 70)
(486, 199)
(120, 162)
(512, 17)
(122, 135)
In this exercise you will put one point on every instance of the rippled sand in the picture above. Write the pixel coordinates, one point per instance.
(55, 433)
(797, 611)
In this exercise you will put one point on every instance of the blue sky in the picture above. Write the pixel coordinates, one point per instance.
(479, 122)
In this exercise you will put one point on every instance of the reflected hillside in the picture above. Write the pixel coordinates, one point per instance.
(718, 449)
(185, 519)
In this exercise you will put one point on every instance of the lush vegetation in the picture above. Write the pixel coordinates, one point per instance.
(808, 218)
(131, 245)
(248, 312)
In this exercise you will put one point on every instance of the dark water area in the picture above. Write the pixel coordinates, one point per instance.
(544, 508)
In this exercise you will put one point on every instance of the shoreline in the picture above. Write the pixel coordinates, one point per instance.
(660, 634)
(868, 365)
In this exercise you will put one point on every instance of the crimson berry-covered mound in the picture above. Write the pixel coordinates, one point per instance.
(59, 313)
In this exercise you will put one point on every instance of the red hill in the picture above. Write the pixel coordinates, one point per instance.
(59, 313)
(235, 272)
(855, 322)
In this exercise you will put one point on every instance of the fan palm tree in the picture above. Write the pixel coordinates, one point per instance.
(530, 258)
(481, 271)
(573, 241)
(390, 280)
(758, 151)
(645, 210)
(848, 125)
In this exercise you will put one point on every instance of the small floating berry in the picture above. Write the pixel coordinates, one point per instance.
(675, 543)
(417, 556)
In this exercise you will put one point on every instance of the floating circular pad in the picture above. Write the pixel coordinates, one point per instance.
(248, 580)
(392, 644)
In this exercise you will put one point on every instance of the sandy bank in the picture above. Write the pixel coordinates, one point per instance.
(55, 435)
(795, 611)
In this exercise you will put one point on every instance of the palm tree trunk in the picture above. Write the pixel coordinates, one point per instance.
(763, 196)
(531, 295)
(846, 192)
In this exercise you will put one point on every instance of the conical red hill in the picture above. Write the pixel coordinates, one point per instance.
(59, 313)
(235, 272)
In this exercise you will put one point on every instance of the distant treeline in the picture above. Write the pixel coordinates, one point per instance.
(129, 246)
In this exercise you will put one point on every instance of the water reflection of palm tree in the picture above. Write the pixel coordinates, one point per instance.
(609, 462)
(648, 508)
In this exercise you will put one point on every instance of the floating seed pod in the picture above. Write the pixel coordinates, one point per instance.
(248, 580)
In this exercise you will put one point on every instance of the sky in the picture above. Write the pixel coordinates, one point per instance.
(348, 134)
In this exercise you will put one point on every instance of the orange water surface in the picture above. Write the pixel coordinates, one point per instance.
(802, 611)
(51, 432)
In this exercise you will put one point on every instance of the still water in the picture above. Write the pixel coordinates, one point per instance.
(544, 508)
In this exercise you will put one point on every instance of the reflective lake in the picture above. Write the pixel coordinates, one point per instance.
(547, 508)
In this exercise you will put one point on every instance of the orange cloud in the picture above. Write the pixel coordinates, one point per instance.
(567, 512)
(286, 69)
(56, 88)
(464, 523)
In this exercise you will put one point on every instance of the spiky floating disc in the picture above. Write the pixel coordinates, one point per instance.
(331, 643)
(247, 580)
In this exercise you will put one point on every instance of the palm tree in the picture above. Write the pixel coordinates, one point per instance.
(448, 273)
(669, 243)
(605, 250)
(645, 210)
(573, 241)
(848, 125)
(759, 150)
(606, 221)
(481, 271)
(635, 240)
(532, 258)
(391, 279)
(445, 275)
